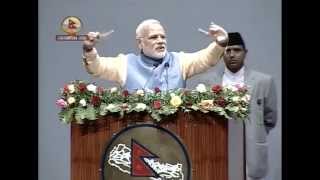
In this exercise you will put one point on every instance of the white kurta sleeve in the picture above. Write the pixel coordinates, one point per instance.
(110, 68)
(200, 61)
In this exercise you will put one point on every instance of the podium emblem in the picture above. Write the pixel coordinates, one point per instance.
(145, 151)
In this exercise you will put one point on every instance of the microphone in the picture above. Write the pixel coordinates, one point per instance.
(166, 65)
(154, 67)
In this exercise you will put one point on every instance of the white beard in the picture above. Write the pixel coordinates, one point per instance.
(153, 54)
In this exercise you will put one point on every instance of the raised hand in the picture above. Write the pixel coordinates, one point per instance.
(219, 34)
(90, 41)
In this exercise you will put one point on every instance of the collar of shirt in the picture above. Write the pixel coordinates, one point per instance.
(230, 78)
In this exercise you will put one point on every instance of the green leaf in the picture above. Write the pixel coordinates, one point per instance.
(66, 115)
(90, 113)
(156, 116)
(194, 107)
(113, 108)
(218, 109)
(103, 109)
(79, 113)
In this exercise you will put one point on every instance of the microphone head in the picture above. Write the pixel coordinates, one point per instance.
(166, 64)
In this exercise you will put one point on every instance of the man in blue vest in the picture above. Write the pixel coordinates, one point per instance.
(154, 66)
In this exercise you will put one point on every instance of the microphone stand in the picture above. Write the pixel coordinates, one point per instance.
(244, 153)
(166, 65)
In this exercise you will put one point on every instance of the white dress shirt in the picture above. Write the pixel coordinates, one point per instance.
(230, 78)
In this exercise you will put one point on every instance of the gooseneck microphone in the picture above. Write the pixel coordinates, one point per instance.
(166, 65)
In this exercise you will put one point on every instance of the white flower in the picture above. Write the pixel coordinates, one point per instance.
(92, 88)
(231, 87)
(206, 104)
(110, 107)
(245, 98)
(201, 88)
(175, 101)
(83, 102)
(235, 109)
(71, 88)
(172, 94)
(244, 109)
(140, 92)
(114, 89)
(141, 106)
(235, 98)
(71, 100)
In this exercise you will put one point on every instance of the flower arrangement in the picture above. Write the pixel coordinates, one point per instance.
(80, 101)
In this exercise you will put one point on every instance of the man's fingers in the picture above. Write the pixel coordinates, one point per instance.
(91, 40)
(92, 36)
(216, 30)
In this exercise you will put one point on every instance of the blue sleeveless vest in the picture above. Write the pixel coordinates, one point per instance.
(146, 73)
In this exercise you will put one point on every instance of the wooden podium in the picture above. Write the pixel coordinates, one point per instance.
(204, 136)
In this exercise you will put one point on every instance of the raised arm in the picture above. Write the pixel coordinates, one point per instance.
(200, 61)
(110, 68)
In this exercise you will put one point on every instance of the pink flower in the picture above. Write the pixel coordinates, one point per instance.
(157, 104)
(61, 103)
(242, 88)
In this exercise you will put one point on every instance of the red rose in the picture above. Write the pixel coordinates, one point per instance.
(82, 87)
(65, 89)
(157, 90)
(157, 104)
(95, 100)
(216, 89)
(125, 93)
(221, 102)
